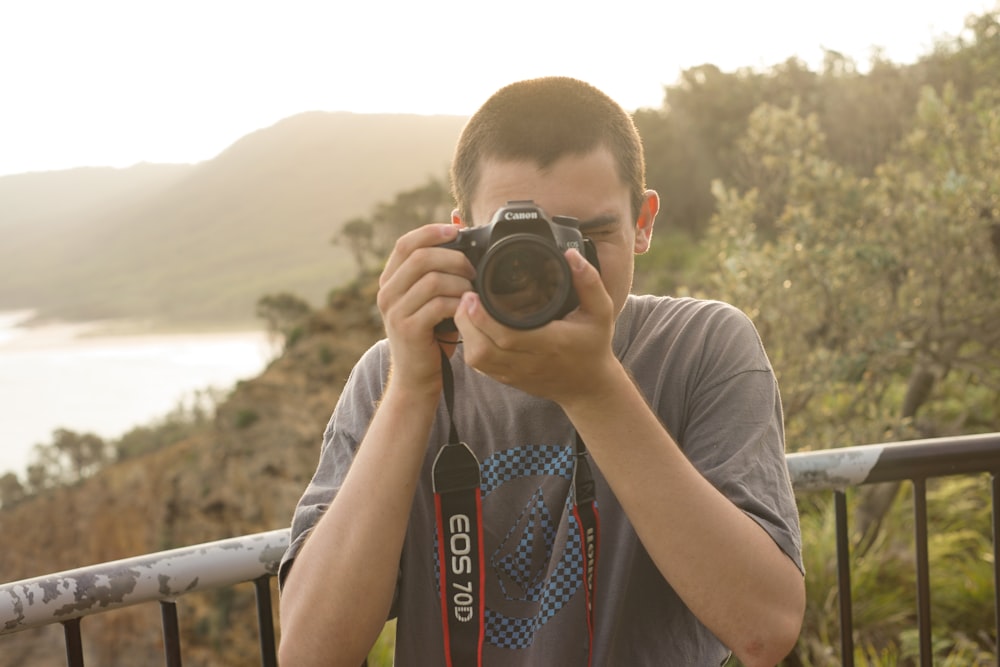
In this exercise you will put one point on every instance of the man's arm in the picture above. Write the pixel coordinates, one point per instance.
(337, 594)
(725, 567)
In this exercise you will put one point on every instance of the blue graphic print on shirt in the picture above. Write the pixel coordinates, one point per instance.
(524, 565)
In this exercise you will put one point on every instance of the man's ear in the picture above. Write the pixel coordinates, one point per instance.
(644, 221)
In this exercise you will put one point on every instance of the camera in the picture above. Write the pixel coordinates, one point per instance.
(522, 277)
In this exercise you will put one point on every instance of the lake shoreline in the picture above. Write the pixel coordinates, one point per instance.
(88, 377)
(29, 319)
(24, 330)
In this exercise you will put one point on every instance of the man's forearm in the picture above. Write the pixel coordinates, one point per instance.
(338, 593)
(724, 566)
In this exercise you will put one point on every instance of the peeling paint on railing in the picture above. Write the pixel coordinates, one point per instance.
(833, 468)
(838, 469)
(166, 575)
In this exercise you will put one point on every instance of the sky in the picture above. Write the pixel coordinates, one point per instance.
(117, 82)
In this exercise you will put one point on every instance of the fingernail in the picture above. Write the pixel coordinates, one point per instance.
(469, 302)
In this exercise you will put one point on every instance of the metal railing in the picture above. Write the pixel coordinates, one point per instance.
(66, 597)
(162, 577)
(915, 461)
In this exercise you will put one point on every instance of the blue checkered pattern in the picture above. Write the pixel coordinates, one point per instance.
(553, 594)
(522, 562)
(515, 557)
(529, 461)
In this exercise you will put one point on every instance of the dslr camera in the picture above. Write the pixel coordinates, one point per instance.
(522, 277)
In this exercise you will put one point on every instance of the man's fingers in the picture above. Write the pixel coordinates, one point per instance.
(422, 237)
(590, 290)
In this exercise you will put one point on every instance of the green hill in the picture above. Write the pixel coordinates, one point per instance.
(199, 244)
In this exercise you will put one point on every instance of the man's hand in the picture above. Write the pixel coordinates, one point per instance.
(556, 361)
(420, 286)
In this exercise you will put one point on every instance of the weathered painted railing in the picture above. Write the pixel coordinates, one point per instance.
(66, 597)
(162, 577)
(915, 461)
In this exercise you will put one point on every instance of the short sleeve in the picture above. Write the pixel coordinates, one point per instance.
(341, 438)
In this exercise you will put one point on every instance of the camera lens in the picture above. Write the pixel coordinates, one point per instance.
(524, 281)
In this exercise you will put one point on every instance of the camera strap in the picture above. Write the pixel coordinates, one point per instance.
(589, 522)
(459, 513)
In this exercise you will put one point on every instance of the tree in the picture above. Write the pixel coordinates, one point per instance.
(358, 234)
(81, 454)
(11, 490)
(285, 314)
(872, 292)
(67, 459)
(38, 478)
(371, 239)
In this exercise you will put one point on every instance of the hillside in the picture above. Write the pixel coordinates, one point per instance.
(199, 244)
(242, 475)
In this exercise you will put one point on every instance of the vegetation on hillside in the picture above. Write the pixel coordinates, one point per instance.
(70, 456)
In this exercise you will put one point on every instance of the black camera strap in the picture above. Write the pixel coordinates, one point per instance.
(459, 513)
(589, 522)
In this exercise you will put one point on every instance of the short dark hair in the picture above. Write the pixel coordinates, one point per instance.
(543, 120)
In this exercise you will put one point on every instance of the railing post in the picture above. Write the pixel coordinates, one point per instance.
(171, 633)
(995, 488)
(265, 621)
(844, 580)
(74, 644)
(923, 571)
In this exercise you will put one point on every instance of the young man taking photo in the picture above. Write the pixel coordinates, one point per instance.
(629, 502)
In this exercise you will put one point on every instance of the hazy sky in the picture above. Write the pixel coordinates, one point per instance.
(115, 82)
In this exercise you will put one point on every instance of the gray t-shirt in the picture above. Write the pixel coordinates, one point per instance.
(703, 370)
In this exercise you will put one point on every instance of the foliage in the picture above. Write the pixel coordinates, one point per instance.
(671, 262)
(884, 581)
(11, 490)
(870, 292)
(245, 418)
(876, 296)
(285, 314)
(692, 140)
(71, 457)
(370, 239)
(382, 653)
(187, 417)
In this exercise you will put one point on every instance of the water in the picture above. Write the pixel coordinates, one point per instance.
(56, 377)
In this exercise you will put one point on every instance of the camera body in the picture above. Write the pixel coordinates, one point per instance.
(522, 277)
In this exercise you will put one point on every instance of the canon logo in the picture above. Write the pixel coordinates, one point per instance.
(520, 215)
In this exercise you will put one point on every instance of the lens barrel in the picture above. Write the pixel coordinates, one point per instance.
(524, 281)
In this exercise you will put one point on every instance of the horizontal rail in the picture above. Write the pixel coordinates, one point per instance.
(838, 469)
(167, 575)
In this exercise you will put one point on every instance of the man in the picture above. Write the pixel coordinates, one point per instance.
(697, 546)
